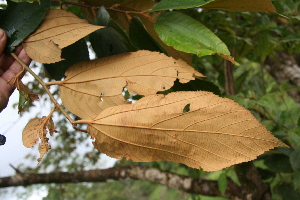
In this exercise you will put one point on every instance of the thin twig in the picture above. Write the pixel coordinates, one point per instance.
(45, 87)
(16, 169)
(79, 129)
(97, 7)
(54, 83)
(74, 4)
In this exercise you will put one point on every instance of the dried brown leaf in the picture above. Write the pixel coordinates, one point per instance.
(37, 129)
(58, 30)
(30, 133)
(242, 5)
(92, 86)
(215, 132)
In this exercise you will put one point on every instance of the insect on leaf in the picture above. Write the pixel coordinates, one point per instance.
(92, 86)
(58, 30)
(213, 134)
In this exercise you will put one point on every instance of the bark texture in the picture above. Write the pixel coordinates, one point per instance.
(183, 183)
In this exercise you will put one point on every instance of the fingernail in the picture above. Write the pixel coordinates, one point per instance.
(2, 33)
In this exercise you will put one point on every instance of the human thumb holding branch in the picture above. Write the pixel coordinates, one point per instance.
(9, 69)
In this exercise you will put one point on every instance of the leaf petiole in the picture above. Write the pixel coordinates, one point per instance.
(44, 86)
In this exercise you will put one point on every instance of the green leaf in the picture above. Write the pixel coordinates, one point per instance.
(222, 183)
(296, 179)
(72, 54)
(23, 97)
(278, 163)
(295, 159)
(179, 4)
(294, 137)
(240, 81)
(188, 35)
(295, 17)
(266, 174)
(20, 19)
(140, 37)
(111, 40)
(287, 192)
(265, 46)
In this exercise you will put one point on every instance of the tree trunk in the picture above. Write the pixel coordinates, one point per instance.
(183, 183)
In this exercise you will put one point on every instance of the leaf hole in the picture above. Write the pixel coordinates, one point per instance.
(101, 95)
(186, 108)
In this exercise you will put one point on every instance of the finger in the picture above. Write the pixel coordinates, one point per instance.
(12, 72)
(3, 39)
(6, 60)
(16, 67)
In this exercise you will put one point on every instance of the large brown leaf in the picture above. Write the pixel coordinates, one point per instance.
(215, 132)
(58, 30)
(242, 5)
(92, 86)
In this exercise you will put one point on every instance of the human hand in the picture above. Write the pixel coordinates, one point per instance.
(9, 69)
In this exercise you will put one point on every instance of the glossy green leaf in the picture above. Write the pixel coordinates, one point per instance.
(173, 4)
(110, 40)
(222, 183)
(20, 19)
(140, 37)
(188, 35)
(71, 54)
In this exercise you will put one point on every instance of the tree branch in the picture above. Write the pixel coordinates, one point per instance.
(184, 183)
